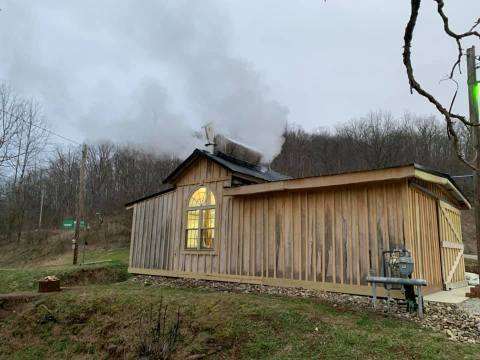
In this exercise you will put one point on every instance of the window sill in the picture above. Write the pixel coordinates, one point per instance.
(199, 252)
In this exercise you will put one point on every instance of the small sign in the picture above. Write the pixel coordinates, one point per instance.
(69, 224)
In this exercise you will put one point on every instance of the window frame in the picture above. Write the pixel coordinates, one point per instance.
(199, 228)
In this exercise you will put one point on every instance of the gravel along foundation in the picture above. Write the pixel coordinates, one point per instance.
(458, 322)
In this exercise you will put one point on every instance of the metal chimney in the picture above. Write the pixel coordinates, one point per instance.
(210, 135)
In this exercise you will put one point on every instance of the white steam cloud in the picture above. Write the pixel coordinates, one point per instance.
(149, 72)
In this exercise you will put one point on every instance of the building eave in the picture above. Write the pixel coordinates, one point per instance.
(357, 177)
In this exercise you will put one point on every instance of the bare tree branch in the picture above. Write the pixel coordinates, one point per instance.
(449, 116)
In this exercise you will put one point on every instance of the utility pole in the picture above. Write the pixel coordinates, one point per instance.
(80, 203)
(42, 195)
(473, 105)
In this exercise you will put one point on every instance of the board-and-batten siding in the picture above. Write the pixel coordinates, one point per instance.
(158, 226)
(334, 236)
(316, 236)
(436, 191)
(424, 242)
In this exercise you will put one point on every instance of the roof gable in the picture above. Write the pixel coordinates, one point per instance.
(201, 170)
(256, 173)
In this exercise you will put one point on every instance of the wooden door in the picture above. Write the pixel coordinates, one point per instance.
(451, 245)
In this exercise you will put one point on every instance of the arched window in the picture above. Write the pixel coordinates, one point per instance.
(200, 220)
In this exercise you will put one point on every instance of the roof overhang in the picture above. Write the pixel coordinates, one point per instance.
(166, 188)
(445, 181)
(352, 178)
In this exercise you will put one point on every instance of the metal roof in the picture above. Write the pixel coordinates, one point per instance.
(261, 173)
(245, 168)
(256, 173)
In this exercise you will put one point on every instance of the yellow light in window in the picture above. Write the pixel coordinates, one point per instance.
(201, 220)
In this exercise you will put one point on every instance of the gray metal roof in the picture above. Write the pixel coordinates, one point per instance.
(245, 168)
(236, 166)
(261, 173)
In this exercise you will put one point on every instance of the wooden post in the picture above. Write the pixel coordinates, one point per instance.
(42, 195)
(420, 302)
(473, 105)
(80, 203)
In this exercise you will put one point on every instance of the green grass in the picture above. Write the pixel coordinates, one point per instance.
(90, 321)
(86, 322)
(25, 278)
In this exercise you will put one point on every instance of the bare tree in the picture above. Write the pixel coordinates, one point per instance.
(451, 118)
(374, 141)
(10, 111)
(28, 143)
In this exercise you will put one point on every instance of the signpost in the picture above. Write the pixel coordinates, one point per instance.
(70, 223)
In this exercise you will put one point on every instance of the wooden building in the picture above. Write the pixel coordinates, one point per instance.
(224, 219)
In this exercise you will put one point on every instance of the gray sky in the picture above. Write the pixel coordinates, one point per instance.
(151, 72)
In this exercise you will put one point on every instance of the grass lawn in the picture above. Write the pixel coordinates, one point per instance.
(89, 322)
(113, 268)
(103, 321)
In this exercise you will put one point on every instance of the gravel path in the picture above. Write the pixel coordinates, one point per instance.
(459, 322)
(471, 306)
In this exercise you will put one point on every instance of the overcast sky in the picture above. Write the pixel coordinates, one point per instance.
(153, 72)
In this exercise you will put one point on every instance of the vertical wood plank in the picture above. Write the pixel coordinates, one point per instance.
(372, 226)
(234, 253)
(271, 238)
(266, 237)
(241, 238)
(363, 236)
(246, 237)
(329, 238)
(288, 238)
(304, 246)
(296, 240)
(349, 237)
(133, 236)
(259, 237)
(338, 259)
(281, 233)
(155, 232)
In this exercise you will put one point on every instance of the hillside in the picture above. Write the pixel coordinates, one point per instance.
(44, 246)
(468, 232)
(116, 321)
(103, 313)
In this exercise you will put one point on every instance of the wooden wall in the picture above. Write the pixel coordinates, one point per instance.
(334, 236)
(424, 239)
(319, 236)
(436, 190)
(158, 226)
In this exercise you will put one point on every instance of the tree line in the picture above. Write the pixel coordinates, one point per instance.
(38, 177)
(377, 140)
(114, 175)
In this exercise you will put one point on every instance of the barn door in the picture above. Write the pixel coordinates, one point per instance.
(451, 246)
